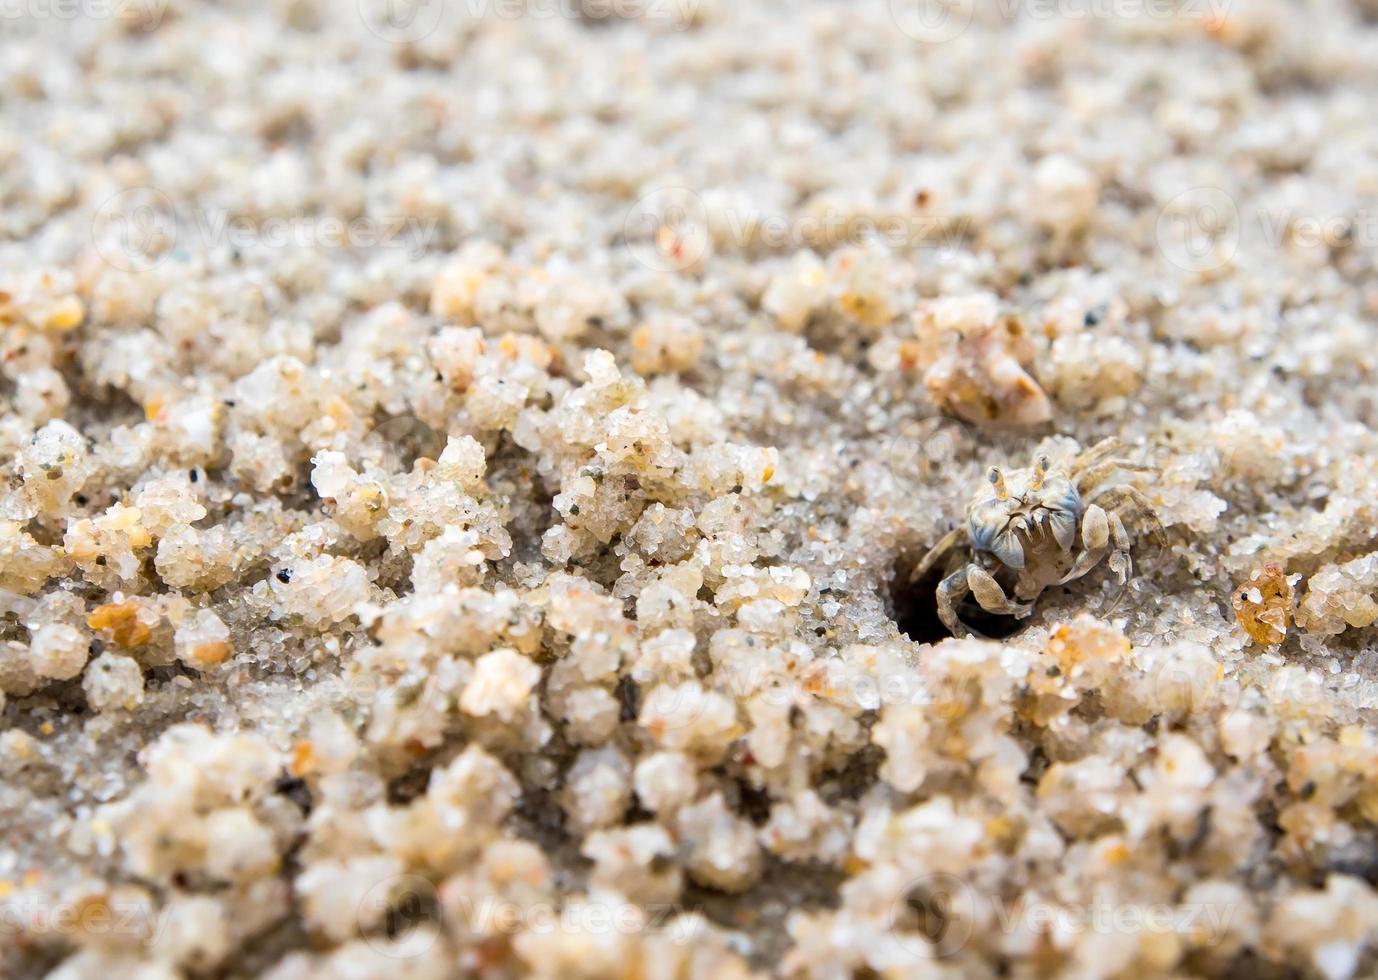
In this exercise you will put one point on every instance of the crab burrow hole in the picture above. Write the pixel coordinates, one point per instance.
(914, 607)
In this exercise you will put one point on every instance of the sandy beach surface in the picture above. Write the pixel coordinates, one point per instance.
(468, 468)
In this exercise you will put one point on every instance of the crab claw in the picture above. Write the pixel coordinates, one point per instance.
(1064, 528)
(1008, 548)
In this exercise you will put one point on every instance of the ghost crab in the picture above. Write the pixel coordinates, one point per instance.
(1035, 527)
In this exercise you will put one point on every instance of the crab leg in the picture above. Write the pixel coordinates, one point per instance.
(1126, 498)
(1098, 453)
(1114, 495)
(1099, 531)
(1120, 562)
(1096, 473)
(951, 591)
(991, 597)
(1095, 541)
(935, 554)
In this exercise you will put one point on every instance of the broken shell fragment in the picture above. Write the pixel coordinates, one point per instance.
(978, 368)
(1263, 605)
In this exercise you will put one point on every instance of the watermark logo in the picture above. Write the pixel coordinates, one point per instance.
(932, 21)
(401, 21)
(1201, 229)
(135, 228)
(933, 916)
(667, 230)
(400, 906)
(927, 445)
(395, 445)
(1198, 230)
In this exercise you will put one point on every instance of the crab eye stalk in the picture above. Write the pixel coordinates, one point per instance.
(1041, 467)
(997, 480)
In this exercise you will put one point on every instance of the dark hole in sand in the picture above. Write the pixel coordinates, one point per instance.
(915, 609)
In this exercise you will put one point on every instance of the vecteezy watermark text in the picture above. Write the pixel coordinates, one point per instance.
(590, 917)
(674, 228)
(938, 915)
(1201, 229)
(413, 904)
(139, 227)
(1114, 9)
(33, 914)
(16, 15)
(937, 21)
(410, 21)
